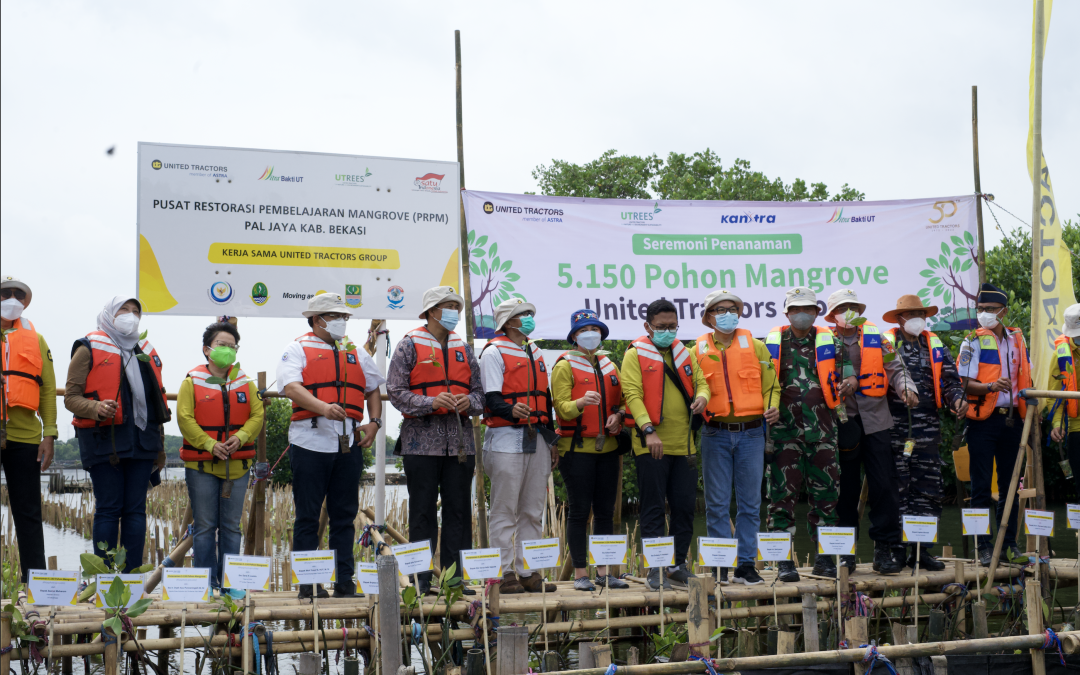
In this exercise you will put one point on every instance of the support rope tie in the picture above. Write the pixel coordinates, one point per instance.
(874, 657)
(1052, 640)
(710, 664)
(107, 639)
(255, 644)
(610, 670)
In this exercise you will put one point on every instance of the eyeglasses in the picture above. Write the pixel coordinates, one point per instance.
(219, 343)
(334, 317)
(723, 310)
(675, 327)
(983, 308)
(6, 293)
(527, 312)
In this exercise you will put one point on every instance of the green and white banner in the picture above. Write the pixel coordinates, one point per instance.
(616, 256)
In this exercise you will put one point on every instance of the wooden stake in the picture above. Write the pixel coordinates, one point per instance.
(858, 633)
(484, 630)
(698, 623)
(810, 622)
(1033, 602)
(978, 182)
(423, 638)
(183, 625)
(1011, 494)
(918, 550)
(245, 644)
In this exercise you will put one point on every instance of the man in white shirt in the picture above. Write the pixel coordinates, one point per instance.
(329, 380)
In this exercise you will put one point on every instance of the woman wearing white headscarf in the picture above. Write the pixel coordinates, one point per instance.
(114, 391)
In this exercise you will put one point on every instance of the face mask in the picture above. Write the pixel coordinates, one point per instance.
(727, 322)
(988, 320)
(127, 324)
(801, 321)
(11, 309)
(589, 340)
(223, 357)
(528, 325)
(336, 328)
(914, 327)
(663, 338)
(844, 320)
(449, 319)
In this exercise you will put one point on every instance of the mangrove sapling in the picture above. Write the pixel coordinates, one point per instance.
(9, 588)
(114, 562)
(343, 345)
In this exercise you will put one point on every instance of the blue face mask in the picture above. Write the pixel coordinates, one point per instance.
(663, 338)
(449, 319)
(727, 322)
(528, 325)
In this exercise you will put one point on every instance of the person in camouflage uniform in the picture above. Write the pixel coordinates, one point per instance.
(921, 487)
(805, 437)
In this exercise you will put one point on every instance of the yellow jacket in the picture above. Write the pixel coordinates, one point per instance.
(674, 431)
(1074, 422)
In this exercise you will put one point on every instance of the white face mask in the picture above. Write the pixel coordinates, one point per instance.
(11, 309)
(336, 328)
(127, 324)
(915, 327)
(589, 340)
(988, 320)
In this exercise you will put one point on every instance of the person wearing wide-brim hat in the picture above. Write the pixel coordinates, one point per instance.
(29, 410)
(1063, 370)
(994, 365)
(927, 366)
(586, 389)
(329, 382)
(520, 448)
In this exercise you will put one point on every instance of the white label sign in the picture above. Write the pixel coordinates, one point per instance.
(540, 554)
(773, 546)
(367, 577)
(658, 552)
(922, 529)
(836, 540)
(607, 549)
(481, 563)
(1074, 516)
(976, 522)
(313, 567)
(717, 552)
(1039, 523)
(134, 582)
(246, 572)
(185, 584)
(413, 558)
(52, 587)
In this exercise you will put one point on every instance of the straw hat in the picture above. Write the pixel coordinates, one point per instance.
(908, 303)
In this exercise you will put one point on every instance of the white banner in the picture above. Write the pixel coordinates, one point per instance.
(616, 256)
(257, 232)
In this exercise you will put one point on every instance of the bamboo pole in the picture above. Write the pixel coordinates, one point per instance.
(260, 487)
(1003, 525)
(978, 181)
(397, 536)
(1049, 393)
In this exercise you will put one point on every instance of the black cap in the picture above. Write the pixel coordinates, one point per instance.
(990, 293)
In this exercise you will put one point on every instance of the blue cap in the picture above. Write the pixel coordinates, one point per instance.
(990, 293)
(585, 317)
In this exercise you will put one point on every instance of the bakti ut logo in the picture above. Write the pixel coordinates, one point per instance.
(268, 174)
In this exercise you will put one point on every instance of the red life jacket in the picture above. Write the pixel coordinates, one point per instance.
(106, 369)
(217, 413)
(22, 366)
(331, 376)
(602, 378)
(652, 374)
(429, 375)
(517, 366)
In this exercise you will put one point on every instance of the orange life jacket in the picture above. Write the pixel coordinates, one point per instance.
(981, 407)
(517, 364)
(937, 356)
(219, 415)
(604, 379)
(872, 378)
(1063, 352)
(733, 374)
(22, 366)
(651, 361)
(106, 371)
(327, 381)
(429, 375)
(824, 354)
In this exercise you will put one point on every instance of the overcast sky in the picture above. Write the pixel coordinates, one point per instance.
(877, 95)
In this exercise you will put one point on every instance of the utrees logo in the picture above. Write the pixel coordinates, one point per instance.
(268, 174)
(353, 179)
(429, 182)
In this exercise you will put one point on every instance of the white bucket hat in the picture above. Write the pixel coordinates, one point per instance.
(508, 309)
(326, 303)
(800, 296)
(842, 297)
(12, 282)
(437, 295)
(1071, 327)
(715, 297)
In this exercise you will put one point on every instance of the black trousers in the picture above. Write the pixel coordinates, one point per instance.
(1072, 448)
(429, 477)
(592, 481)
(670, 479)
(23, 475)
(334, 476)
(988, 440)
(874, 456)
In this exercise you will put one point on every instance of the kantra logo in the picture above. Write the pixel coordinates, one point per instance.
(429, 182)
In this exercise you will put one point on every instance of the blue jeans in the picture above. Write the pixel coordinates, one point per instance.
(737, 458)
(120, 506)
(216, 520)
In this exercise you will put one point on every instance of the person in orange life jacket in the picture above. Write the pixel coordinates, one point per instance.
(115, 392)
(864, 439)
(994, 365)
(738, 370)
(436, 440)
(520, 448)
(1066, 414)
(587, 392)
(29, 416)
(926, 364)
(219, 422)
(329, 386)
(804, 356)
(665, 389)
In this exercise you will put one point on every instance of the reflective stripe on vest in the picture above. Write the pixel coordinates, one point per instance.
(429, 375)
(1067, 367)
(652, 374)
(327, 381)
(106, 369)
(213, 416)
(981, 407)
(937, 356)
(517, 365)
(824, 354)
(22, 366)
(585, 379)
(733, 374)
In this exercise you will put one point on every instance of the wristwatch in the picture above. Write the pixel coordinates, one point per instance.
(648, 429)
(378, 421)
